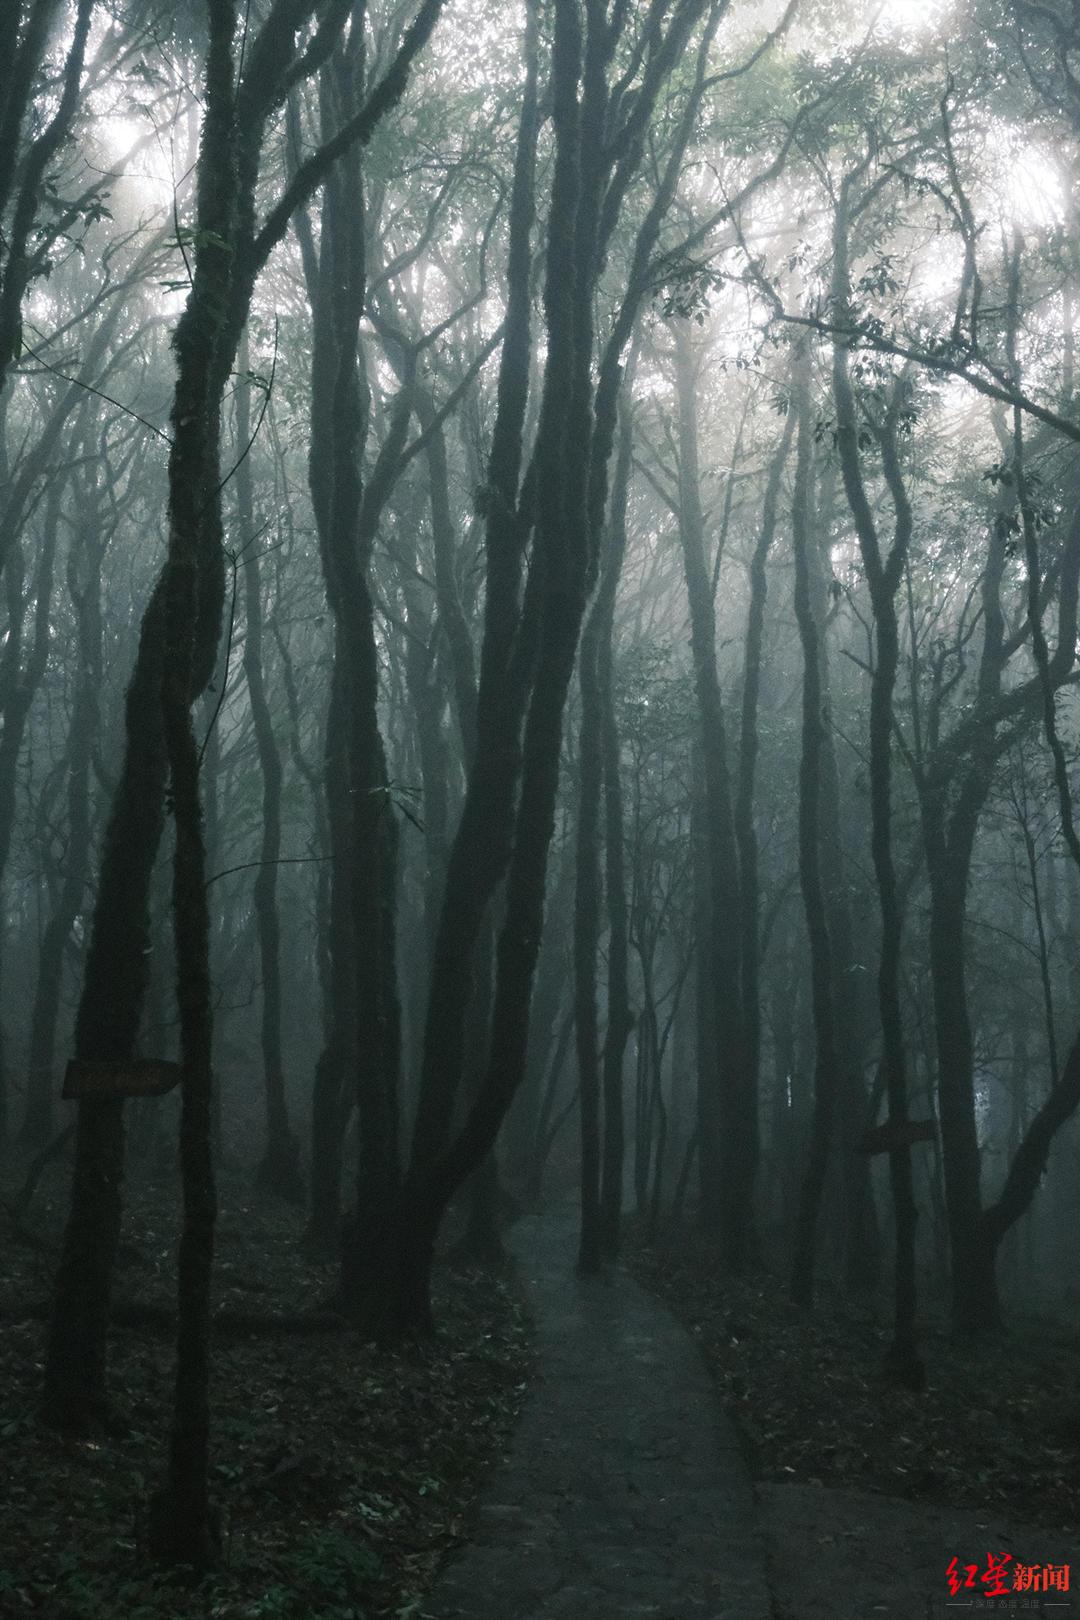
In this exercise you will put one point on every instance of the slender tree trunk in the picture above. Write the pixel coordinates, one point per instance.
(18, 687)
(346, 518)
(331, 1100)
(482, 1241)
(229, 251)
(481, 846)
(731, 1155)
(424, 679)
(279, 1169)
(707, 1122)
(530, 1114)
(86, 560)
(975, 1292)
(952, 795)
(547, 1122)
(814, 724)
(182, 1526)
(620, 1020)
(745, 832)
(574, 440)
(884, 574)
(106, 1028)
(587, 941)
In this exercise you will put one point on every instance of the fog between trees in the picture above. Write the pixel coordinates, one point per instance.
(540, 567)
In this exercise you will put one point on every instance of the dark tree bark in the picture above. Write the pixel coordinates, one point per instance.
(953, 781)
(231, 248)
(279, 1169)
(527, 1124)
(728, 1147)
(32, 133)
(600, 1072)
(587, 939)
(84, 588)
(527, 658)
(20, 679)
(620, 1021)
(480, 847)
(482, 1241)
(106, 1027)
(814, 724)
(182, 1528)
(745, 831)
(884, 573)
(1029, 1160)
(706, 1035)
(331, 1099)
(424, 680)
(347, 518)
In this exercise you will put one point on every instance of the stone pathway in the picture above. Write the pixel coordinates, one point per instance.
(624, 1493)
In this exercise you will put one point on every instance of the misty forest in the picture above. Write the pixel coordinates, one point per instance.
(539, 808)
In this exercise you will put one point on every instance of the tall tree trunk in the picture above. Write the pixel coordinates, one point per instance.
(952, 794)
(331, 1100)
(182, 1527)
(18, 687)
(84, 588)
(884, 574)
(482, 1240)
(106, 1028)
(574, 439)
(727, 1155)
(230, 249)
(587, 940)
(279, 1168)
(620, 1020)
(745, 831)
(975, 1293)
(529, 1117)
(481, 845)
(706, 1035)
(814, 724)
(346, 516)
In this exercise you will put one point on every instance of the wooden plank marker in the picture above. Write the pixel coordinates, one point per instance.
(885, 1138)
(139, 1077)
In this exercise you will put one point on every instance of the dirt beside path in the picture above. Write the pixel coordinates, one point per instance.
(854, 1555)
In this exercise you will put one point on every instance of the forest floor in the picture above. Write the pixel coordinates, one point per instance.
(866, 1493)
(344, 1472)
(347, 1473)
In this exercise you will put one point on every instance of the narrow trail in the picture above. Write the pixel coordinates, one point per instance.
(624, 1492)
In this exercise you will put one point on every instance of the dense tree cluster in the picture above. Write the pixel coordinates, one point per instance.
(540, 559)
